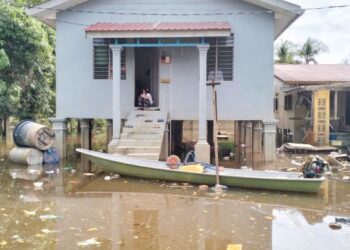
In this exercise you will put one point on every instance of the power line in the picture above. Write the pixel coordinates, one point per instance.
(297, 11)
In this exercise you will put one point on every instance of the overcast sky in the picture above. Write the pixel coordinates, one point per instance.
(330, 26)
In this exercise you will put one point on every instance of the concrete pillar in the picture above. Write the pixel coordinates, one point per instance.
(9, 136)
(59, 126)
(116, 49)
(242, 158)
(85, 142)
(165, 146)
(257, 144)
(237, 140)
(249, 143)
(202, 147)
(85, 133)
(109, 131)
(270, 139)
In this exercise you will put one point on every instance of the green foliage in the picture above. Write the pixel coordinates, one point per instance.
(310, 49)
(286, 52)
(22, 3)
(4, 60)
(28, 77)
(9, 99)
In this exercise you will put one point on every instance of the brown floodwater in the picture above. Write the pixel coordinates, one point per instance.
(61, 207)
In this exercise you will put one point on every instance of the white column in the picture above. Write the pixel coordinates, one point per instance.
(59, 126)
(257, 143)
(202, 147)
(249, 143)
(270, 128)
(116, 49)
(109, 131)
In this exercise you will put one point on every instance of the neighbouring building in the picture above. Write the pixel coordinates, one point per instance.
(312, 104)
(107, 51)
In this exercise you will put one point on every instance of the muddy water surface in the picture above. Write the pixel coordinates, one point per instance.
(60, 207)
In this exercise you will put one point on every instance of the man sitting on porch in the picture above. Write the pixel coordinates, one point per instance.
(145, 99)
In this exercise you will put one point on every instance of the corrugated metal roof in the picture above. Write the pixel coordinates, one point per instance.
(312, 73)
(159, 26)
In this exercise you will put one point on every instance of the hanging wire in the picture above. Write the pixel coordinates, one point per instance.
(218, 13)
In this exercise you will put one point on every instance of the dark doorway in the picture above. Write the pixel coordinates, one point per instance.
(347, 109)
(146, 72)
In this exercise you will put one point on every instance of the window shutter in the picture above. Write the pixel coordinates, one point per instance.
(103, 59)
(220, 56)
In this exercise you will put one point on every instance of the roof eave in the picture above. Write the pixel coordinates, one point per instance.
(285, 13)
(46, 11)
(159, 34)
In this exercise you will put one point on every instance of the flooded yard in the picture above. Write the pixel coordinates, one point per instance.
(61, 207)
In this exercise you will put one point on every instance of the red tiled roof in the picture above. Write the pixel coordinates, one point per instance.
(160, 26)
(312, 73)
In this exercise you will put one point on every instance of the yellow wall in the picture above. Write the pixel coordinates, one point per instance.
(321, 117)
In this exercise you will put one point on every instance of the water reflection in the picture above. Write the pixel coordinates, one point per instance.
(73, 210)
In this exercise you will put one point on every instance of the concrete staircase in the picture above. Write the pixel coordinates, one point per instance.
(142, 135)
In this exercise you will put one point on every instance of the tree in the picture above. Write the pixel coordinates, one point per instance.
(22, 3)
(310, 49)
(286, 52)
(27, 87)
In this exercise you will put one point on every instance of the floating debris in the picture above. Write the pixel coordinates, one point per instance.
(38, 185)
(29, 213)
(89, 174)
(48, 231)
(335, 226)
(346, 178)
(203, 188)
(17, 238)
(234, 247)
(89, 242)
(107, 178)
(49, 217)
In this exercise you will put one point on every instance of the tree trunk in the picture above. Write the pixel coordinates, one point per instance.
(4, 132)
(1, 127)
(78, 127)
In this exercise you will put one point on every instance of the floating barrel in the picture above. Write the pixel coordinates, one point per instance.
(51, 156)
(32, 134)
(26, 156)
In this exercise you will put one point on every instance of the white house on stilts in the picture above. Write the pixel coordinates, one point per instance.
(108, 51)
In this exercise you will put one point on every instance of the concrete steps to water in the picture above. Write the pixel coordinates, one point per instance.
(142, 134)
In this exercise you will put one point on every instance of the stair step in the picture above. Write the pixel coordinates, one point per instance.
(135, 124)
(140, 136)
(143, 130)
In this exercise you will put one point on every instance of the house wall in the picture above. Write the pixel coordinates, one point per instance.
(283, 116)
(248, 97)
(294, 119)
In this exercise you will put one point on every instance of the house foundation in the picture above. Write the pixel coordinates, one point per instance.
(257, 144)
(109, 131)
(59, 126)
(249, 143)
(85, 141)
(269, 137)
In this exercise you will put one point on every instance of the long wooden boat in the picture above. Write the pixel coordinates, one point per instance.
(141, 168)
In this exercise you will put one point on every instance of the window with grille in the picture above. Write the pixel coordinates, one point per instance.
(288, 102)
(275, 104)
(103, 59)
(220, 57)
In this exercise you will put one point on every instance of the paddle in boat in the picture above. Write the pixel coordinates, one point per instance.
(201, 173)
